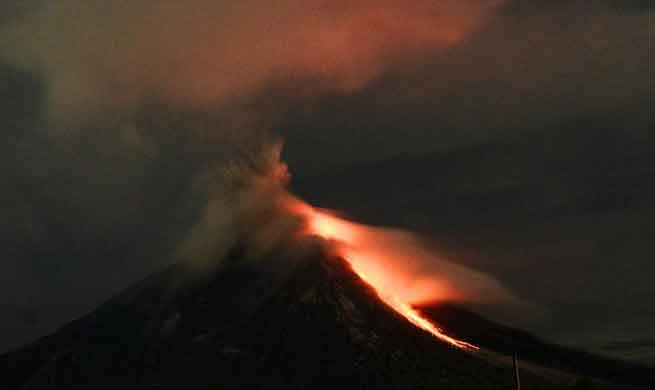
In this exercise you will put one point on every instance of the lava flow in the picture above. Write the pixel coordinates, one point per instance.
(368, 249)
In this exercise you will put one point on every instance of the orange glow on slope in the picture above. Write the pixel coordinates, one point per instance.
(407, 311)
(359, 245)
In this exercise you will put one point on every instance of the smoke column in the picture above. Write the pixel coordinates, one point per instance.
(401, 270)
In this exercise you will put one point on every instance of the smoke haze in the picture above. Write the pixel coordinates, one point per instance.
(100, 54)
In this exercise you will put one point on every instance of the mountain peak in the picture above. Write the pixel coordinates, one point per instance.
(300, 323)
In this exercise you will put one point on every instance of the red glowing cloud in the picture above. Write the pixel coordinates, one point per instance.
(211, 52)
(398, 267)
(383, 262)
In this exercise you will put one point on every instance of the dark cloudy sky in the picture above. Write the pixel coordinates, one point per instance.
(112, 112)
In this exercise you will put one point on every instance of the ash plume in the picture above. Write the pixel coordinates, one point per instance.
(149, 106)
(246, 206)
(101, 55)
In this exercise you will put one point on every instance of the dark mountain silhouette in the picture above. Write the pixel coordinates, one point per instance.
(281, 322)
(506, 341)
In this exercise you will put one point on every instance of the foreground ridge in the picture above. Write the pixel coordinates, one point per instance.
(277, 323)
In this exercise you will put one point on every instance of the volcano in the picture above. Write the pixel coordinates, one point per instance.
(292, 322)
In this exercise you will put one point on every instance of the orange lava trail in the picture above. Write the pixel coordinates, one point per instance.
(411, 314)
(354, 242)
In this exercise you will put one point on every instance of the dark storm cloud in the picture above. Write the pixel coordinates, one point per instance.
(535, 65)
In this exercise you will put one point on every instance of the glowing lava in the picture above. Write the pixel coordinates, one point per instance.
(407, 311)
(367, 249)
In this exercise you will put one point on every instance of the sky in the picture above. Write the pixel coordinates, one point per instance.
(114, 114)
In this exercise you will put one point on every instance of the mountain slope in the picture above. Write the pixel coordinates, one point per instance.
(563, 217)
(277, 323)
